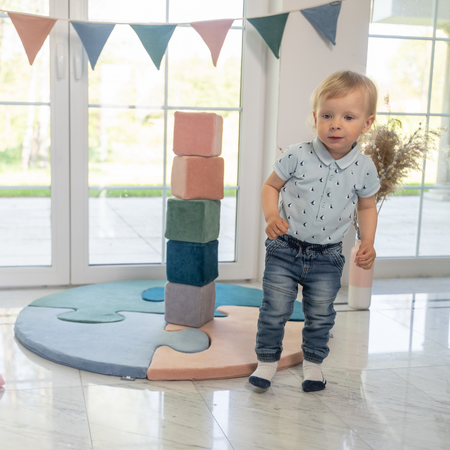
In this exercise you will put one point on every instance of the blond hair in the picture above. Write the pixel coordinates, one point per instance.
(339, 84)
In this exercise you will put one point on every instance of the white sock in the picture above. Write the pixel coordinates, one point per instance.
(265, 371)
(312, 371)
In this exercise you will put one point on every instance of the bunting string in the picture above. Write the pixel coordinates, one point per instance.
(33, 30)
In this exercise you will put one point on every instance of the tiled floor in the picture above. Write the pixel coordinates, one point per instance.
(388, 388)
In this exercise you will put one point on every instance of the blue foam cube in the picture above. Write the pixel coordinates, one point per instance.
(192, 263)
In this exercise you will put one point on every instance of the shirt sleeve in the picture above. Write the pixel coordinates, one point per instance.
(370, 183)
(286, 165)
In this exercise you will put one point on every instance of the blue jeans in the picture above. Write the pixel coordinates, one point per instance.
(318, 268)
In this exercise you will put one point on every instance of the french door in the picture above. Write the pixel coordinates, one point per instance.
(110, 138)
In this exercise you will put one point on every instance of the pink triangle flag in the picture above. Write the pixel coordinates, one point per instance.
(33, 31)
(213, 32)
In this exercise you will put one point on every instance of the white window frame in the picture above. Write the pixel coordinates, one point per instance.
(416, 266)
(250, 164)
(59, 271)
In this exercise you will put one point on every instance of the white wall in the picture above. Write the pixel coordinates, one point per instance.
(306, 59)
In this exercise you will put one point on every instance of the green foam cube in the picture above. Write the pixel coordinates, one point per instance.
(193, 220)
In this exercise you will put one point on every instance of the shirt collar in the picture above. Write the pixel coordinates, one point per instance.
(327, 159)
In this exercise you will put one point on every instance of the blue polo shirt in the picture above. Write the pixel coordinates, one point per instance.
(320, 194)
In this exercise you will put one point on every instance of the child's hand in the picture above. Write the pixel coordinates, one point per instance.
(366, 255)
(276, 226)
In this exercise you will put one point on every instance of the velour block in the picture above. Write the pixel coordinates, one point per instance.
(197, 134)
(192, 263)
(193, 220)
(191, 306)
(197, 178)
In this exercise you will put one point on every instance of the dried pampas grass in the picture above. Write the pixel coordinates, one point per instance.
(395, 154)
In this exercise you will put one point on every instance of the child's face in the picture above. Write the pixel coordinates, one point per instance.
(340, 121)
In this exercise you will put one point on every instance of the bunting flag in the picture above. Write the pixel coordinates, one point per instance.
(33, 32)
(94, 37)
(324, 18)
(271, 29)
(213, 34)
(155, 39)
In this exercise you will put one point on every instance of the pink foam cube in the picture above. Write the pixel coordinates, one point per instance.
(197, 134)
(197, 178)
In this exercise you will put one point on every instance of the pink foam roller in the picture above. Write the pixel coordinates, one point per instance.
(197, 178)
(197, 134)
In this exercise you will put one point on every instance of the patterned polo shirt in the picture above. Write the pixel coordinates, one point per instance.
(320, 194)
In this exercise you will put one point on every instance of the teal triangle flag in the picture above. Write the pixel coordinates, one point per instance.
(324, 18)
(271, 29)
(155, 39)
(94, 37)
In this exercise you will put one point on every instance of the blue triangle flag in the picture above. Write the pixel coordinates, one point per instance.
(271, 29)
(155, 39)
(94, 37)
(324, 19)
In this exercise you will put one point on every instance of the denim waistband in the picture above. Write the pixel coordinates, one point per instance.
(307, 247)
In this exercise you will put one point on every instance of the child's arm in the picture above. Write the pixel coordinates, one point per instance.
(276, 226)
(367, 219)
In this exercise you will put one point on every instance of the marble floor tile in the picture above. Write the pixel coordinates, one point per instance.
(43, 419)
(370, 340)
(434, 322)
(23, 369)
(386, 411)
(283, 417)
(174, 417)
(433, 380)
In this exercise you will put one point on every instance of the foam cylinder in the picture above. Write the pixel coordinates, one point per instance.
(360, 283)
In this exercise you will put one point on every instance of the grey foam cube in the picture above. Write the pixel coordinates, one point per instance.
(187, 305)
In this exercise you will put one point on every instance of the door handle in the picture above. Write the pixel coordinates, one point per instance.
(60, 60)
(78, 61)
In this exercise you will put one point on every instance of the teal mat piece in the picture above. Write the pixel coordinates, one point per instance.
(100, 303)
(228, 294)
(121, 348)
(103, 303)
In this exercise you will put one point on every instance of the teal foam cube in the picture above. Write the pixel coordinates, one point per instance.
(193, 220)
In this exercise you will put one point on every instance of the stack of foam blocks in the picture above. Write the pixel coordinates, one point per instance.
(193, 219)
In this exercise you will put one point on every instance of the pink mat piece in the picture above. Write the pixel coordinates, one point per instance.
(213, 33)
(2, 381)
(197, 134)
(33, 32)
(197, 178)
(231, 353)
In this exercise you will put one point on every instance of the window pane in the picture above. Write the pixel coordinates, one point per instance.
(443, 20)
(409, 125)
(20, 82)
(438, 165)
(25, 228)
(196, 10)
(397, 225)
(403, 17)
(125, 227)
(440, 99)
(27, 6)
(227, 236)
(125, 74)
(125, 149)
(134, 11)
(435, 224)
(193, 79)
(401, 69)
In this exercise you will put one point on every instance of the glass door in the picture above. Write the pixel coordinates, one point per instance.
(121, 137)
(34, 149)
